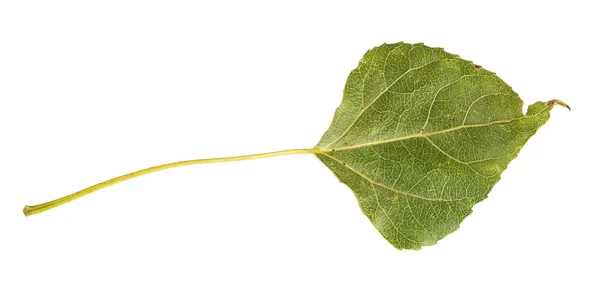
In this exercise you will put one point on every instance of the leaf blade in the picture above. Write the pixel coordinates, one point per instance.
(421, 151)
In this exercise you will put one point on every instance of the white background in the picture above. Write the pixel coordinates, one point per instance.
(90, 91)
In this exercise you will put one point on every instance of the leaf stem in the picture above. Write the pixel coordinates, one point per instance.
(35, 209)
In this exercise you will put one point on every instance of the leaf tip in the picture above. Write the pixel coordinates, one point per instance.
(556, 101)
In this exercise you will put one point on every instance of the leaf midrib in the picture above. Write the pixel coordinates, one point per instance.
(424, 135)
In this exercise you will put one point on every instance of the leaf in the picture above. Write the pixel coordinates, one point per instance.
(421, 136)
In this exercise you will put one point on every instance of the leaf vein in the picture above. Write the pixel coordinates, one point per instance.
(386, 187)
(471, 106)
(438, 92)
(378, 96)
(457, 160)
(389, 218)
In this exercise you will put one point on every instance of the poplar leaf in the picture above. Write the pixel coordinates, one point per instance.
(421, 136)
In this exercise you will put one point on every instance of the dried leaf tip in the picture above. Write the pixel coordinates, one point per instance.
(556, 101)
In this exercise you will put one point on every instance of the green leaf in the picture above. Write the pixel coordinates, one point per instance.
(421, 136)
